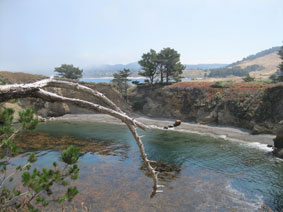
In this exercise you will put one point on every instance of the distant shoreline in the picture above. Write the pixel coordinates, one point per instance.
(111, 78)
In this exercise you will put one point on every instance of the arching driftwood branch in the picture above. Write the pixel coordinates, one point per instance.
(36, 90)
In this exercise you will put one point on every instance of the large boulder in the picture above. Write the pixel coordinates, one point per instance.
(278, 142)
(177, 123)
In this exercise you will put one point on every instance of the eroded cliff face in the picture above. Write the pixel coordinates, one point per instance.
(258, 107)
(48, 109)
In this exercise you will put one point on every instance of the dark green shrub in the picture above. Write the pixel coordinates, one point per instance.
(136, 82)
(138, 106)
(222, 84)
(248, 78)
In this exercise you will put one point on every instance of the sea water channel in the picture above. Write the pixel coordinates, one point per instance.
(200, 173)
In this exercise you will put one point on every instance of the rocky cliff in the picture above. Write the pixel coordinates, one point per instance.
(48, 109)
(255, 106)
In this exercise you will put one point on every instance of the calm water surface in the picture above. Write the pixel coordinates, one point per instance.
(204, 174)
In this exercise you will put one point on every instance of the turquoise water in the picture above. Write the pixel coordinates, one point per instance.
(206, 174)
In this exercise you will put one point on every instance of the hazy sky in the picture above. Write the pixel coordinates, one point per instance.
(37, 35)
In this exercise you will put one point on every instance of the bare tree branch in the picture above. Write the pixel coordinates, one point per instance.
(36, 90)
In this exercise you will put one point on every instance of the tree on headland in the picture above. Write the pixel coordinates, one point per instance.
(69, 71)
(280, 71)
(169, 59)
(121, 82)
(278, 75)
(165, 64)
(149, 63)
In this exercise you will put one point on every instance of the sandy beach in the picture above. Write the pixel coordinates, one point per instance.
(228, 133)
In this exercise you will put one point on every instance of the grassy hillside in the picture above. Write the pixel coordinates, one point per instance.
(20, 77)
(194, 73)
(260, 65)
(270, 63)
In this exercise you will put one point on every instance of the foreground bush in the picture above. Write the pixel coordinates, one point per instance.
(35, 191)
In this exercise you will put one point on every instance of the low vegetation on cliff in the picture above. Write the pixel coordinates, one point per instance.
(252, 105)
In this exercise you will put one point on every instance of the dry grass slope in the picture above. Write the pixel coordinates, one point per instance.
(20, 77)
(270, 63)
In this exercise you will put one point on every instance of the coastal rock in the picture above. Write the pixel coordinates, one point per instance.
(278, 153)
(225, 117)
(256, 108)
(177, 123)
(258, 129)
(204, 117)
(167, 171)
(278, 142)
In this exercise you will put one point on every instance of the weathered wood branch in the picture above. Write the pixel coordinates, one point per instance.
(30, 90)
(8, 92)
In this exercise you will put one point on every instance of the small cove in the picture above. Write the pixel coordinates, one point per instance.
(201, 173)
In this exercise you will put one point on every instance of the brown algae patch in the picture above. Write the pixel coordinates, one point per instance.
(36, 140)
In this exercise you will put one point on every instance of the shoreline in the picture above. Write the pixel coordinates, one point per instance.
(224, 132)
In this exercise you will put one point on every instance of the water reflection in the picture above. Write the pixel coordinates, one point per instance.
(201, 173)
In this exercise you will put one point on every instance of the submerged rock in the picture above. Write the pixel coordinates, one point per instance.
(36, 140)
(278, 153)
(167, 171)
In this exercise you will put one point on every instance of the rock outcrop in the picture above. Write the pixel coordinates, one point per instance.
(278, 142)
(256, 108)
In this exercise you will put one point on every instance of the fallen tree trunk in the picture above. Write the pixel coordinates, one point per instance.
(8, 92)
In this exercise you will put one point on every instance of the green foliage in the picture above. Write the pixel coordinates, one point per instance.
(3, 81)
(222, 84)
(6, 116)
(70, 155)
(165, 64)
(138, 106)
(27, 119)
(37, 185)
(249, 79)
(69, 71)
(136, 82)
(6, 119)
(149, 63)
(171, 66)
(121, 80)
(280, 52)
(280, 70)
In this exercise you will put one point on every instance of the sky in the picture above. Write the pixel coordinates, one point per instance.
(38, 35)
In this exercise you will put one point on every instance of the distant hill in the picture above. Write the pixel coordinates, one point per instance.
(108, 70)
(257, 55)
(260, 65)
(205, 66)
